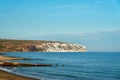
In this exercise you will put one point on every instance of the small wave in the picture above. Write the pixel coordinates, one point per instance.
(64, 75)
(4, 69)
(67, 75)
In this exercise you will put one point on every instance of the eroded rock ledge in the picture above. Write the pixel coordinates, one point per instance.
(17, 64)
(38, 45)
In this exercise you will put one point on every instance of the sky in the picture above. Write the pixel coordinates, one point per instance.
(92, 23)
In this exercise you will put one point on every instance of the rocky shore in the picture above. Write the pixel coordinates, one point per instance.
(17, 64)
(5, 61)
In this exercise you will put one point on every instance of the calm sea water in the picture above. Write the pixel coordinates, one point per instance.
(77, 65)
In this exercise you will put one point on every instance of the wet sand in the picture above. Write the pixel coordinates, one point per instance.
(9, 76)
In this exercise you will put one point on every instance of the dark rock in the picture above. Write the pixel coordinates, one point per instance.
(13, 64)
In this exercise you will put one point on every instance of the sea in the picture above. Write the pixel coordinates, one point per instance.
(69, 65)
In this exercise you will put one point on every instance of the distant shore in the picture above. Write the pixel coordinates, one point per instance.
(9, 45)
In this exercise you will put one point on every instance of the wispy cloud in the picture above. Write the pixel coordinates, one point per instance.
(81, 36)
(73, 6)
(93, 4)
(97, 1)
(96, 35)
(97, 40)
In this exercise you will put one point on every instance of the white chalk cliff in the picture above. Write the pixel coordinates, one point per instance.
(60, 47)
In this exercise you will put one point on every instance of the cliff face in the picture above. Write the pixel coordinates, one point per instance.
(43, 46)
(60, 47)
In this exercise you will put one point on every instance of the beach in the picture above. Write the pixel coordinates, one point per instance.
(3, 58)
(9, 76)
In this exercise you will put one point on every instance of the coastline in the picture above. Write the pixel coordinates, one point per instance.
(4, 75)
(3, 58)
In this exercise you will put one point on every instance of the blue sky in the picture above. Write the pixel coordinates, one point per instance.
(93, 23)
